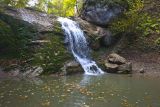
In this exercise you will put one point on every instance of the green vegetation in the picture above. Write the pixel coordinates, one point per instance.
(14, 38)
(52, 55)
(158, 41)
(58, 7)
(130, 19)
(6, 36)
(15, 3)
(15, 42)
(62, 7)
(138, 21)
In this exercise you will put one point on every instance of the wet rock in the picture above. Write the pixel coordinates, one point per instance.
(72, 67)
(15, 72)
(125, 68)
(33, 71)
(116, 59)
(111, 68)
(95, 45)
(107, 38)
(36, 72)
(96, 36)
(141, 71)
(24, 72)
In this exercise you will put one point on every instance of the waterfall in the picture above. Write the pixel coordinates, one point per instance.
(78, 46)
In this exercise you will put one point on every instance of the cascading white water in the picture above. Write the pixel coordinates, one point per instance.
(78, 46)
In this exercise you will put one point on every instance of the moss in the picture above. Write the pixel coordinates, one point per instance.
(15, 36)
(158, 41)
(57, 28)
(6, 34)
(52, 55)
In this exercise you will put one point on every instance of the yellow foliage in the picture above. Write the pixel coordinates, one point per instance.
(62, 7)
(58, 7)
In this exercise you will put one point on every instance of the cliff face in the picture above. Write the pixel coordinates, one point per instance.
(34, 37)
(22, 27)
(42, 22)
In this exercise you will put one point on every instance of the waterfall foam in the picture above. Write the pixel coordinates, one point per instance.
(78, 46)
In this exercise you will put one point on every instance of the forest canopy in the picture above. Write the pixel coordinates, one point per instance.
(58, 7)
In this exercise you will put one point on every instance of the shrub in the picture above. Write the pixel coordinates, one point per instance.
(130, 19)
(148, 25)
(158, 41)
(136, 20)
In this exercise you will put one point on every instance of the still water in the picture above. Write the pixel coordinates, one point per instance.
(80, 91)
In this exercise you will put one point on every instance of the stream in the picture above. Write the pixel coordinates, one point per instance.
(106, 90)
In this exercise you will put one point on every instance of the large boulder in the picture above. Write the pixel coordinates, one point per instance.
(28, 16)
(72, 67)
(111, 68)
(125, 68)
(117, 64)
(101, 12)
(30, 23)
(116, 59)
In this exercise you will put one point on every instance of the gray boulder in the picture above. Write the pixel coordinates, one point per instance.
(116, 59)
(141, 71)
(125, 68)
(111, 68)
(31, 72)
(101, 12)
(72, 67)
(117, 64)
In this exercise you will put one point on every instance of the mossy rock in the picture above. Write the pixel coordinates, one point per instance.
(27, 39)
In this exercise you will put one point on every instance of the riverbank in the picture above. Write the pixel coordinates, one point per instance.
(144, 64)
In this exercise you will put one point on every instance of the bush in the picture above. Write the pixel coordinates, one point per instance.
(130, 19)
(148, 25)
(158, 41)
(137, 21)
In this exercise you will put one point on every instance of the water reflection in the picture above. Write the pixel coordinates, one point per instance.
(80, 91)
(79, 99)
(90, 79)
